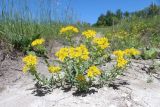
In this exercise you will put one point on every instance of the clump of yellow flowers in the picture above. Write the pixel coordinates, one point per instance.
(121, 61)
(93, 71)
(38, 42)
(68, 32)
(71, 52)
(89, 33)
(30, 62)
(62, 54)
(54, 69)
(101, 42)
(132, 51)
(78, 63)
(69, 29)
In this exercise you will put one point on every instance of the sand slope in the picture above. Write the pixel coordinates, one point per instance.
(129, 90)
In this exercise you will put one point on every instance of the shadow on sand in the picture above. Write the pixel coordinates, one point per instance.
(40, 90)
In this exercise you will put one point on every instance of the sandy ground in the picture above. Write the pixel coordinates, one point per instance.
(130, 90)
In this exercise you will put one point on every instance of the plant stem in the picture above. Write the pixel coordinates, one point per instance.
(39, 79)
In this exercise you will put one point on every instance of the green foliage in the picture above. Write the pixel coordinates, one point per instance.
(21, 34)
(150, 53)
(22, 42)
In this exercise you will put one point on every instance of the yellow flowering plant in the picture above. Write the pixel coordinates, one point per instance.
(69, 32)
(79, 64)
(54, 69)
(96, 45)
(89, 34)
(93, 71)
(30, 62)
(38, 42)
(38, 46)
(102, 43)
(122, 59)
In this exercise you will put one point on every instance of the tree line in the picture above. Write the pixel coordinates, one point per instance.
(113, 18)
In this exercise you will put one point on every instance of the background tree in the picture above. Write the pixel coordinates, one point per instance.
(126, 14)
(101, 20)
(119, 14)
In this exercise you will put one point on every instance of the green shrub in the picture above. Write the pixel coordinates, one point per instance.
(151, 53)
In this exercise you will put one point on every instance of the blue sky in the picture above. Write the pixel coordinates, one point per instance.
(89, 10)
(83, 10)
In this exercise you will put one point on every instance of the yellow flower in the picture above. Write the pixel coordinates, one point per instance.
(80, 77)
(62, 53)
(93, 71)
(89, 33)
(101, 42)
(84, 52)
(80, 51)
(67, 29)
(119, 53)
(54, 69)
(74, 52)
(38, 42)
(132, 51)
(30, 61)
(121, 62)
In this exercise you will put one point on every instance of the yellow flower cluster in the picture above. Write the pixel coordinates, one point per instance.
(62, 54)
(38, 42)
(72, 52)
(30, 61)
(54, 69)
(69, 29)
(89, 33)
(80, 51)
(121, 62)
(80, 77)
(119, 53)
(93, 71)
(101, 42)
(132, 51)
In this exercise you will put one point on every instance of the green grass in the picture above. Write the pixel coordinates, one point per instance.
(20, 24)
(141, 33)
(18, 32)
